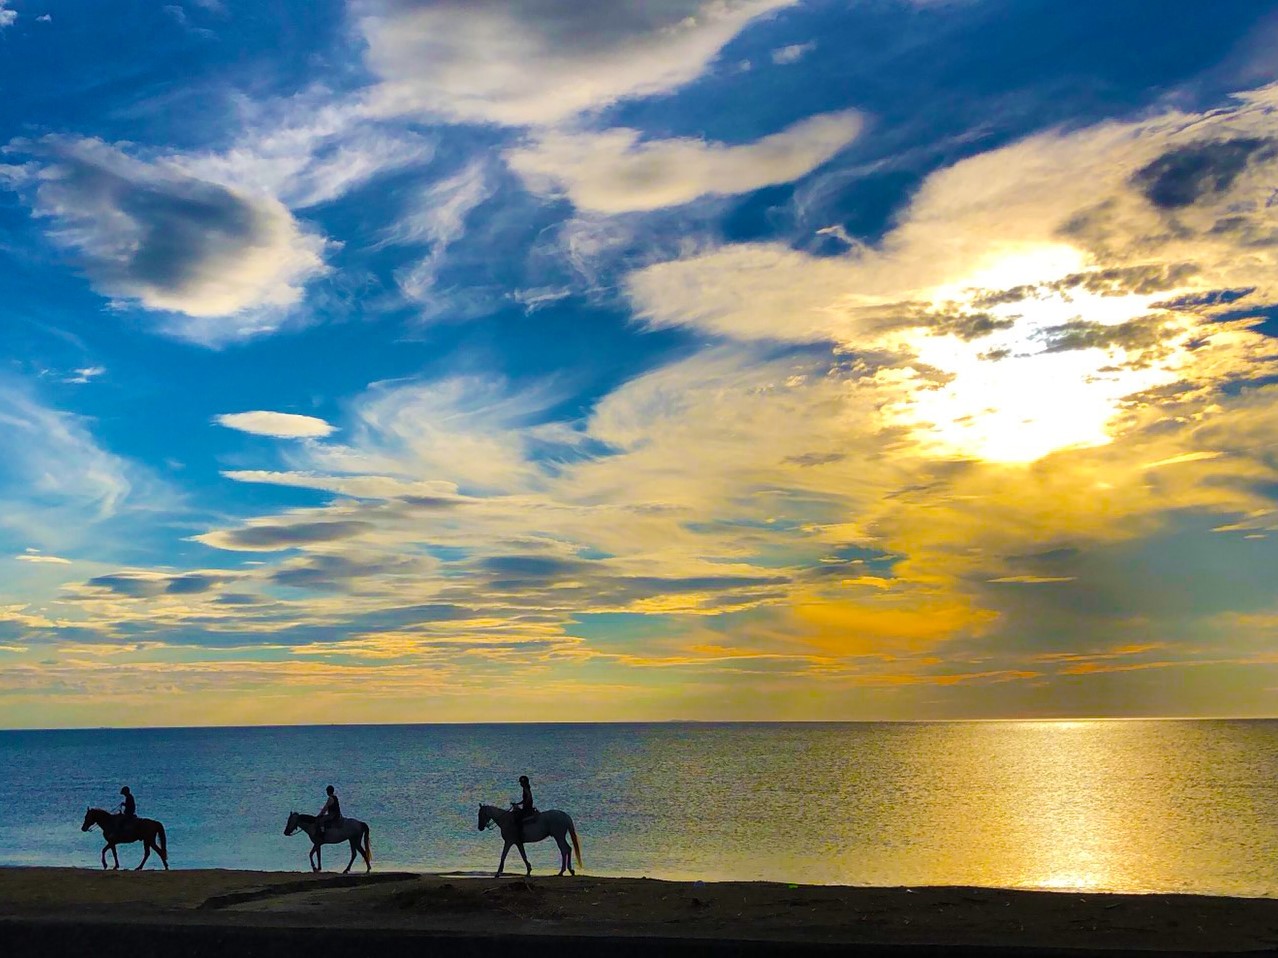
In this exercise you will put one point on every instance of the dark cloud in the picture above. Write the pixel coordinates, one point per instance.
(809, 459)
(138, 586)
(175, 222)
(1135, 334)
(969, 326)
(1217, 297)
(1123, 280)
(533, 567)
(1182, 176)
(135, 586)
(238, 598)
(402, 617)
(655, 585)
(431, 502)
(193, 584)
(152, 232)
(336, 572)
(1115, 281)
(299, 534)
(965, 324)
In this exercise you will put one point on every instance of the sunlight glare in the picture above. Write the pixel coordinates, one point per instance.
(1007, 396)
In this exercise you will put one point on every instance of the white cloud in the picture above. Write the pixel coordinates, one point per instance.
(614, 172)
(464, 429)
(308, 149)
(1016, 300)
(357, 487)
(7, 16)
(38, 558)
(57, 484)
(540, 62)
(437, 218)
(793, 53)
(224, 264)
(282, 425)
(85, 374)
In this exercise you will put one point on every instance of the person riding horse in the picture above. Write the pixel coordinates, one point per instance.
(127, 810)
(330, 813)
(524, 807)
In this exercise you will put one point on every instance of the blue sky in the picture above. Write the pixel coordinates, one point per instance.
(393, 360)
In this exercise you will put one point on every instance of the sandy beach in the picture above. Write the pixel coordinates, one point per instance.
(194, 913)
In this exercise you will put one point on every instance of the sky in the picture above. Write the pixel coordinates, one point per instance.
(537, 360)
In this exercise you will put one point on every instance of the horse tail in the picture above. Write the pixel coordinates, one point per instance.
(576, 845)
(368, 845)
(164, 842)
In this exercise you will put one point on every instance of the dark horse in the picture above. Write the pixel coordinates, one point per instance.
(350, 830)
(118, 831)
(551, 823)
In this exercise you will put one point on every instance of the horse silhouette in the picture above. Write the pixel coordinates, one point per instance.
(551, 823)
(118, 830)
(350, 830)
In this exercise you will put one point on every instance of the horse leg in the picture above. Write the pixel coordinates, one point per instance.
(146, 853)
(319, 859)
(116, 855)
(347, 869)
(364, 849)
(104, 851)
(502, 864)
(527, 864)
(565, 855)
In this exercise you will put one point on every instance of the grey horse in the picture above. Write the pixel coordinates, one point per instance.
(551, 823)
(350, 830)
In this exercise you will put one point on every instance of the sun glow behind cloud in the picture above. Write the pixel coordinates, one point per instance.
(1007, 396)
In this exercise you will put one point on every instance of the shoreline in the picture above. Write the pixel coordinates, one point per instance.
(205, 912)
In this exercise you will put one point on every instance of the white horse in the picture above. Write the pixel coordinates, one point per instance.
(551, 823)
(350, 830)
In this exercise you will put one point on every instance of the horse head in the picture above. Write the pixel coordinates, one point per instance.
(483, 817)
(291, 827)
(88, 820)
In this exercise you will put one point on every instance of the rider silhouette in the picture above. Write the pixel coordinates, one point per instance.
(128, 807)
(330, 813)
(524, 807)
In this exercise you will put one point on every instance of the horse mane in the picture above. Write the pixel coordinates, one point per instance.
(304, 819)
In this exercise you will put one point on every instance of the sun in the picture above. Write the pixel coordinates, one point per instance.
(1014, 395)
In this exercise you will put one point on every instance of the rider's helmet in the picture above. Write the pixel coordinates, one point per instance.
(523, 779)
(125, 790)
(329, 790)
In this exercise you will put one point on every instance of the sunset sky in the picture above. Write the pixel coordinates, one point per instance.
(395, 360)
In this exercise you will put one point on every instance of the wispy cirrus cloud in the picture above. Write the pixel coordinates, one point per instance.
(57, 482)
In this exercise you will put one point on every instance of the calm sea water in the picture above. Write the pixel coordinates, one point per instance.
(1121, 806)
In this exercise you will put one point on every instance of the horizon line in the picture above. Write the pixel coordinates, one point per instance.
(673, 721)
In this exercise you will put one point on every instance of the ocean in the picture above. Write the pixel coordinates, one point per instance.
(1124, 806)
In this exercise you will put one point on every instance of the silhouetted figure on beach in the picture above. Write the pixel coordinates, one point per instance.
(330, 813)
(524, 807)
(127, 810)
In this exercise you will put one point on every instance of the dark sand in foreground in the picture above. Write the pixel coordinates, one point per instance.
(234, 913)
